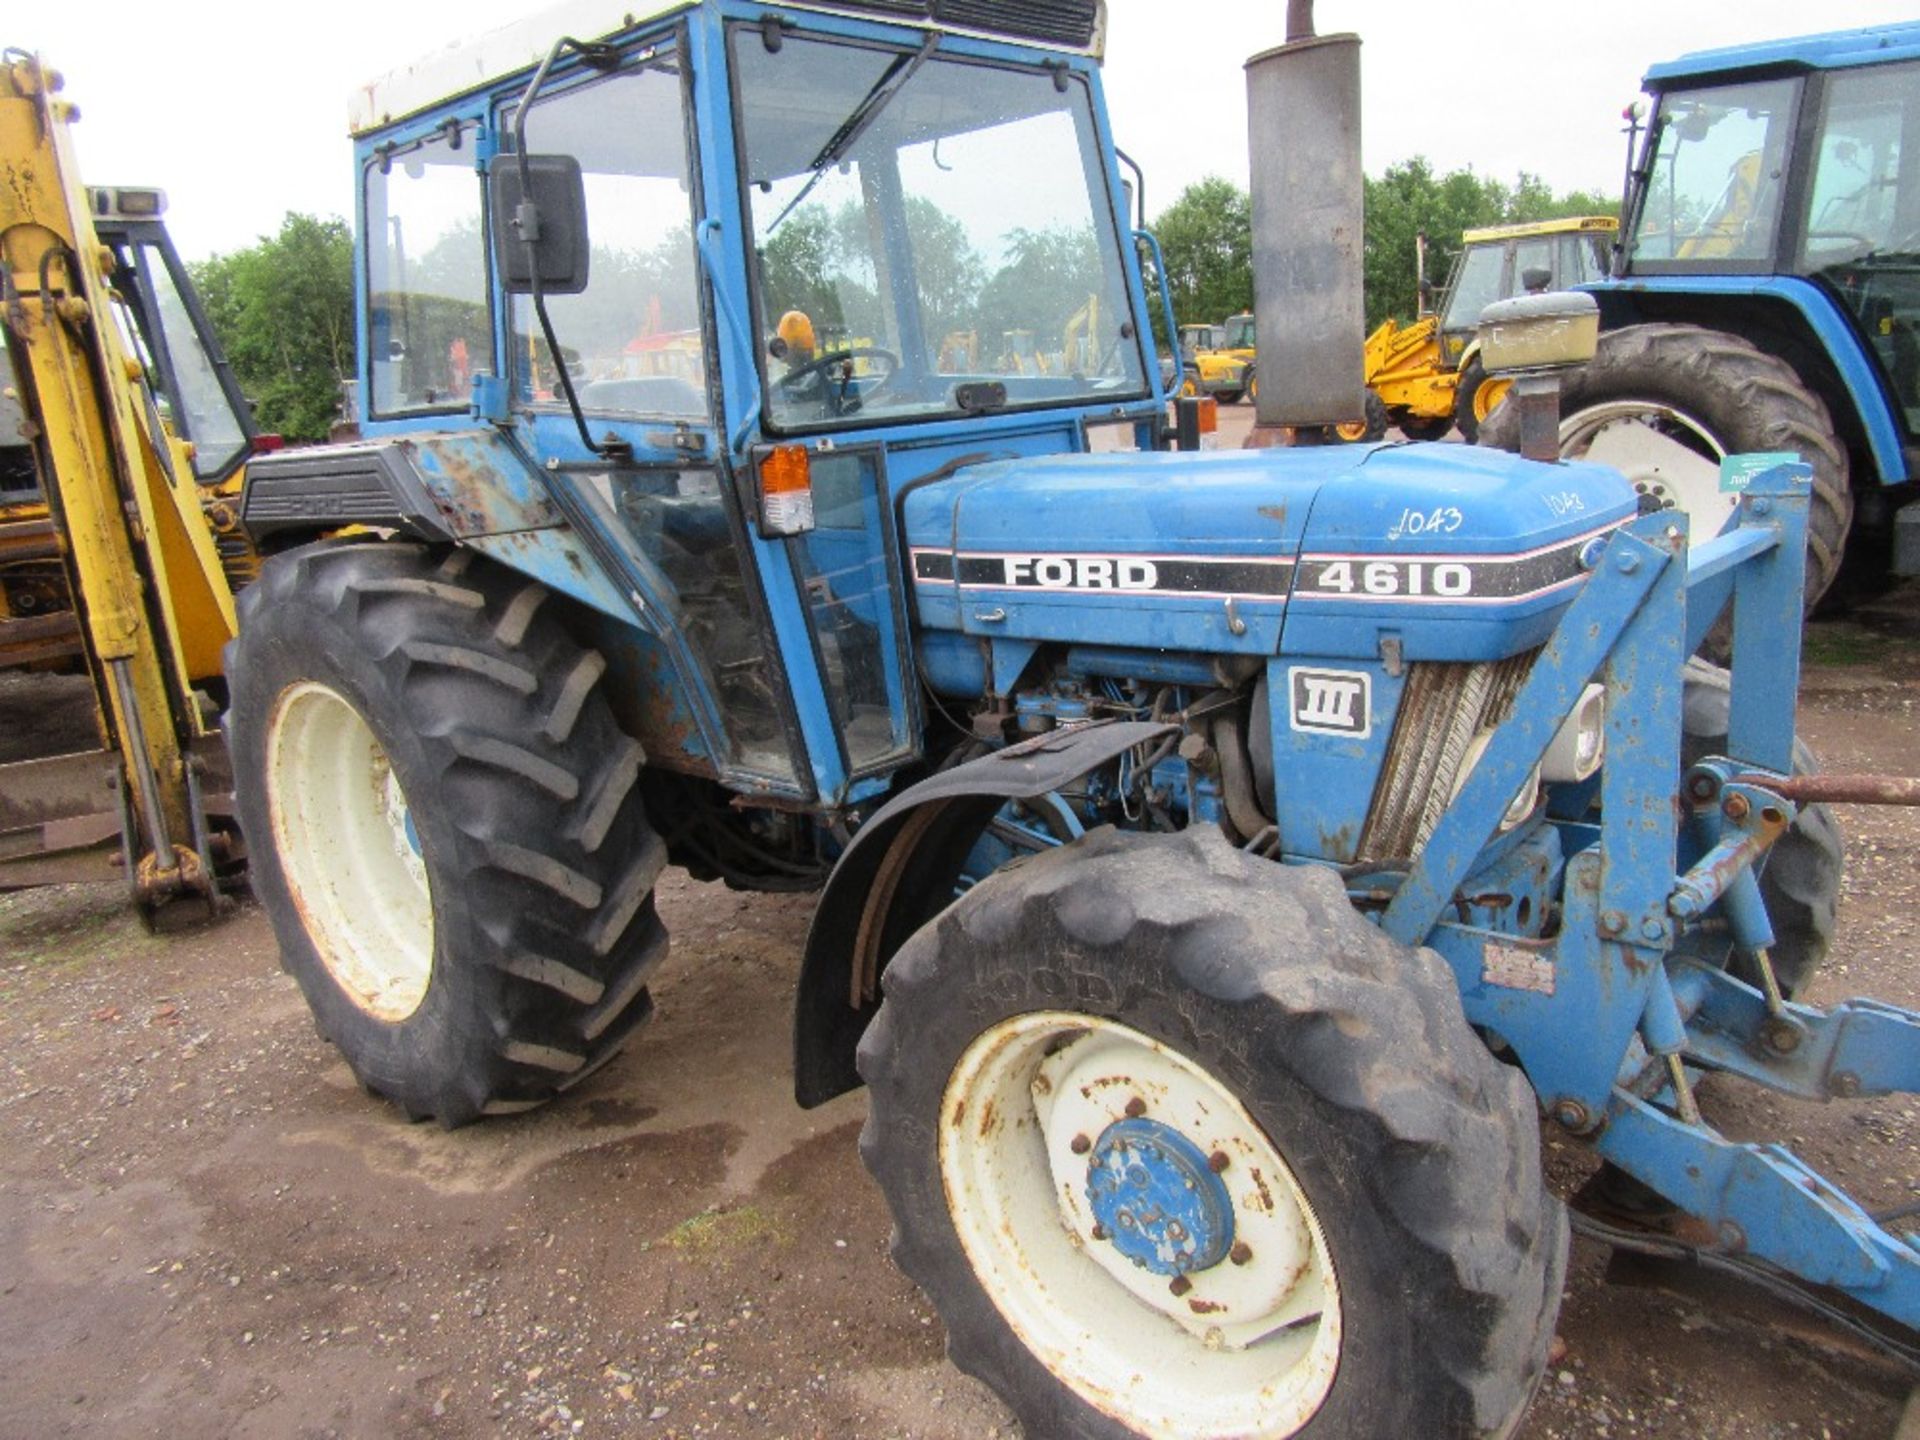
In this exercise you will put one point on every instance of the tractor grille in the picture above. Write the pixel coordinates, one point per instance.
(1441, 710)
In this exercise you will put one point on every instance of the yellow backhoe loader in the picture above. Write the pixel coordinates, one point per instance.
(122, 441)
(1428, 375)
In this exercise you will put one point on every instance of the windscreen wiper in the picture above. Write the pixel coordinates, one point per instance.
(892, 80)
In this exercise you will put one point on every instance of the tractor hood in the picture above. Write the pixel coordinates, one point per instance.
(1458, 553)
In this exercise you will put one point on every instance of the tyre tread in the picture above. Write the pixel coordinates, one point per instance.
(1431, 1099)
(562, 948)
(1791, 417)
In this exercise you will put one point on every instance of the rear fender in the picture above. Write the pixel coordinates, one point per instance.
(1797, 321)
(899, 873)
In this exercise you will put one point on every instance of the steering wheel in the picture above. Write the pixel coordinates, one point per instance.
(817, 370)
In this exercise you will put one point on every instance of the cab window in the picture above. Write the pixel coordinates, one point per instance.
(632, 339)
(1718, 174)
(429, 324)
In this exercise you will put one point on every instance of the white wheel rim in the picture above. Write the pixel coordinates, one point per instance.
(349, 851)
(1250, 1348)
(1672, 458)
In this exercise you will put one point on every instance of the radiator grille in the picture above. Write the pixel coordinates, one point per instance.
(1441, 710)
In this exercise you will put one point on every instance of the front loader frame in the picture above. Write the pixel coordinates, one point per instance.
(1615, 1018)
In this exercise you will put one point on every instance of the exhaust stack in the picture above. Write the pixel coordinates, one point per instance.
(1303, 116)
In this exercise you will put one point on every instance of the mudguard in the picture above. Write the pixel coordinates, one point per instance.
(899, 872)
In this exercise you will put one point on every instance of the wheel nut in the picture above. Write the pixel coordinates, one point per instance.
(1136, 1107)
(1180, 1285)
(1241, 1252)
(1218, 1161)
(1099, 1231)
(1080, 1144)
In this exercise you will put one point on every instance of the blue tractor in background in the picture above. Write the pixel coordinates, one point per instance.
(1766, 296)
(1224, 859)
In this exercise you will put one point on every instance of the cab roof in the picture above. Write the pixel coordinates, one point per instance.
(1565, 225)
(1836, 50)
(471, 65)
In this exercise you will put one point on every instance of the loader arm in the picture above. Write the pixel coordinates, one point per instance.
(153, 605)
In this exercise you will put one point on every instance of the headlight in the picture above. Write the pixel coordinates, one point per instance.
(1521, 806)
(1581, 741)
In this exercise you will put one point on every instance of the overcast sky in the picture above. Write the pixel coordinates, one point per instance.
(238, 109)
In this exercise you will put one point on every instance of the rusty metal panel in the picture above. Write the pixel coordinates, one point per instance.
(34, 793)
(479, 486)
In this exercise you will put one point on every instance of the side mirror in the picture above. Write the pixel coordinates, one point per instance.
(551, 213)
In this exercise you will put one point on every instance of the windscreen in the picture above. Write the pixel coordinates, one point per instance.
(1476, 285)
(1718, 174)
(931, 236)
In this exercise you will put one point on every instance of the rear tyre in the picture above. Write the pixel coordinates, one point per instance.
(1663, 404)
(447, 829)
(1346, 1231)
(1801, 879)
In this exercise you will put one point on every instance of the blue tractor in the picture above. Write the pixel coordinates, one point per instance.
(1766, 296)
(1224, 858)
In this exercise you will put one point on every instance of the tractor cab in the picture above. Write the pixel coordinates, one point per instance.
(1500, 261)
(1803, 160)
(805, 239)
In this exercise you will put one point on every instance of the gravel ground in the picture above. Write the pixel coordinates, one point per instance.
(205, 1228)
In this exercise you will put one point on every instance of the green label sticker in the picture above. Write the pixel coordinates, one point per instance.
(1737, 471)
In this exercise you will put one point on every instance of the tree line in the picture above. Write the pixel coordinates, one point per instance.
(1207, 234)
(283, 307)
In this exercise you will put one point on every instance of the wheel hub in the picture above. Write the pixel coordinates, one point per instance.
(1672, 458)
(1138, 1229)
(350, 851)
(1155, 1197)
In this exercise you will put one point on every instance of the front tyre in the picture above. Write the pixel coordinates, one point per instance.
(1180, 1146)
(447, 830)
(1801, 871)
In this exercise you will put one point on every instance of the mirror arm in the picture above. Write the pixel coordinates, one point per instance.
(526, 226)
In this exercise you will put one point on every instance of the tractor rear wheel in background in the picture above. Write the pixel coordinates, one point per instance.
(1663, 403)
(1179, 1145)
(446, 824)
(1475, 397)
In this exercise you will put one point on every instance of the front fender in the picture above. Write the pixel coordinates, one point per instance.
(899, 873)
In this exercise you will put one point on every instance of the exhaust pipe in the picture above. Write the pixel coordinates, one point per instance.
(1303, 116)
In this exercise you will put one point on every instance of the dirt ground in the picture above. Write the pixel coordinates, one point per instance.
(205, 1227)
